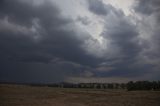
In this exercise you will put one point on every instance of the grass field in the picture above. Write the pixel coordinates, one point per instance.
(20, 95)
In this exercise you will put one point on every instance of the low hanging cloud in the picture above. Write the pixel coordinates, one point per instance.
(40, 32)
(40, 44)
(32, 35)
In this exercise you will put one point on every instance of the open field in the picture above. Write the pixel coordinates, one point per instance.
(20, 95)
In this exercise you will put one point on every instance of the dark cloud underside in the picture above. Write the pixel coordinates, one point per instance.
(22, 51)
(39, 44)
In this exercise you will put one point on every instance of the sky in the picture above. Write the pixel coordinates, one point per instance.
(49, 41)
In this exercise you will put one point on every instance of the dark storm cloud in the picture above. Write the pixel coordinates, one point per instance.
(147, 6)
(151, 8)
(38, 44)
(38, 72)
(32, 37)
(119, 30)
(97, 7)
(124, 46)
(123, 36)
(83, 20)
(54, 40)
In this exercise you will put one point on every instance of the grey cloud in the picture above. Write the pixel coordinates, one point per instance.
(23, 53)
(32, 72)
(123, 36)
(149, 9)
(23, 13)
(84, 20)
(38, 44)
(124, 48)
(147, 6)
(97, 7)
(54, 40)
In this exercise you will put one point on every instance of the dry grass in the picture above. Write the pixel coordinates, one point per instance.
(18, 95)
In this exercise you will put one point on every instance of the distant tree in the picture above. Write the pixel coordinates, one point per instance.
(158, 85)
(143, 85)
(130, 86)
(117, 86)
(155, 85)
(110, 86)
(98, 86)
(123, 86)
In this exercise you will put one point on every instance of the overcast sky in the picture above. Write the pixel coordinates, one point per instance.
(47, 41)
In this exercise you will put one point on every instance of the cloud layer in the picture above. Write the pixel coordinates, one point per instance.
(39, 43)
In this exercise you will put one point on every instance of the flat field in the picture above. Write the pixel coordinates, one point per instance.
(21, 95)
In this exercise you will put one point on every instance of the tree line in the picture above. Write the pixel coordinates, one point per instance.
(130, 86)
(143, 85)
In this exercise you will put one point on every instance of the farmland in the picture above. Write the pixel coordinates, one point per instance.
(23, 95)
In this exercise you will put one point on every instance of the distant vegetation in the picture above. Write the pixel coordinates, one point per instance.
(143, 85)
(130, 86)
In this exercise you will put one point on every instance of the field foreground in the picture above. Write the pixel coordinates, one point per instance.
(20, 95)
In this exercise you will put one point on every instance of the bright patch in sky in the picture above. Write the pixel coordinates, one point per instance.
(79, 8)
(125, 5)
